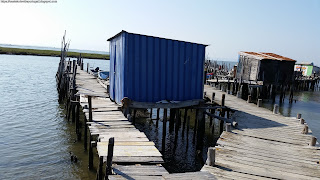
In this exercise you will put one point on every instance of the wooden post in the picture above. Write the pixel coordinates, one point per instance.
(158, 113)
(158, 117)
(302, 121)
(201, 128)
(85, 134)
(77, 120)
(151, 113)
(90, 108)
(223, 99)
(305, 129)
(184, 120)
(171, 120)
(298, 116)
(313, 141)
(259, 103)
(164, 130)
(100, 168)
(228, 127)
(134, 117)
(109, 157)
(73, 105)
(195, 125)
(211, 156)
(249, 99)
(275, 109)
(188, 125)
(213, 95)
(87, 67)
(90, 153)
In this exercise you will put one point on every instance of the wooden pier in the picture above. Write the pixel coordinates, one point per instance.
(133, 155)
(263, 145)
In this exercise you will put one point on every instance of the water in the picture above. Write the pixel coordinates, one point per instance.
(35, 137)
(306, 103)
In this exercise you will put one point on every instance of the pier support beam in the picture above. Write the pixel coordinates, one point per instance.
(276, 109)
(211, 156)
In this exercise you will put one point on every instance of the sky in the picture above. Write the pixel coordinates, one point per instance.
(289, 28)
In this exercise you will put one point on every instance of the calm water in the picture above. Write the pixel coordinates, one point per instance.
(35, 137)
(307, 103)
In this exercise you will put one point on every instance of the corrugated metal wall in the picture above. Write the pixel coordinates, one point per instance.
(154, 69)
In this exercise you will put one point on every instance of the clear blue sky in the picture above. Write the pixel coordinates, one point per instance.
(287, 27)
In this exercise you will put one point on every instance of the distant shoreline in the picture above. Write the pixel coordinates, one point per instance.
(37, 52)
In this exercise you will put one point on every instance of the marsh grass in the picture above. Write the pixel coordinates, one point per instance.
(36, 52)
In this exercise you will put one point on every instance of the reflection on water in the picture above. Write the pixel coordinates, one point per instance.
(307, 103)
(180, 153)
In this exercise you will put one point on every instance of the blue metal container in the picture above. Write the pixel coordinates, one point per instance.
(150, 69)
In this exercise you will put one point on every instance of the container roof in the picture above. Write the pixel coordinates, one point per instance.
(123, 31)
(262, 55)
(306, 63)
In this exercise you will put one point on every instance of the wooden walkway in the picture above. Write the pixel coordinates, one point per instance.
(263, 146)
(134, 156)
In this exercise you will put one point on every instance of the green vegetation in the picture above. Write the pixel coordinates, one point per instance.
(36, 52)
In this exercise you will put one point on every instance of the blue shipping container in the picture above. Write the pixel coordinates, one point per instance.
(150, 69)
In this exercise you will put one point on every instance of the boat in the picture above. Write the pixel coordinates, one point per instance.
(103, 75)
(94, 72)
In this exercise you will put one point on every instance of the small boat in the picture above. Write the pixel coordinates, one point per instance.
(94, 72)
(103, 75)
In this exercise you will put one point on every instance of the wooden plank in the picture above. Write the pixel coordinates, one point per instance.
(128, 143)
(143, 170)
(129, 151)
(136, 160)
(190, 175)
(222, 173)
(126, 177)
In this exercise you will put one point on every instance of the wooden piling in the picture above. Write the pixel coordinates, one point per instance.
(211, 156)
(201, 128)
(158, 117)
(90, 153)
(298, 116)
(305, 129)
(99, 176)
(188, 125)
(275, 109)
(249, 99)
(313, 141)
(223, 99)
(213, 95)
(228, 127)
(87, 67)
(259, 102)
(134, 117)
(90, 108)
(109, 157)
(164, 130)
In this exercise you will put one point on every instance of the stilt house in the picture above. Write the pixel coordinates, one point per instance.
(264, 68)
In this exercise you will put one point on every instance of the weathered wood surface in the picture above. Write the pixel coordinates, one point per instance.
(138, 172)
(264, 145)
(190, 175)
(130, 145)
